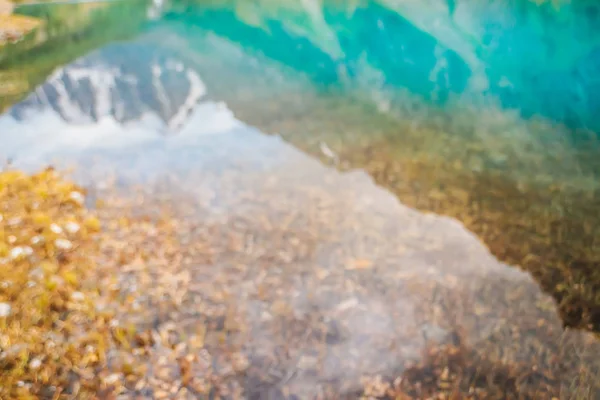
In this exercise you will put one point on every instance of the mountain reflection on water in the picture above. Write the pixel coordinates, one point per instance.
(119, 82)
(336, 279)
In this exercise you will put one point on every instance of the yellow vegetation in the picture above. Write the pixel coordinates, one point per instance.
(13, 27)
(51, 333)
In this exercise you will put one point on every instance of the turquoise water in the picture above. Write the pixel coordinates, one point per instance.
(538, 60)
(534, 59)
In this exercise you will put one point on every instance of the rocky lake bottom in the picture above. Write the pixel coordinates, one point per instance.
(236, 230)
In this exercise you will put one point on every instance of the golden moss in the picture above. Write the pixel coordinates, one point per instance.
(77, 297)
(52, 337)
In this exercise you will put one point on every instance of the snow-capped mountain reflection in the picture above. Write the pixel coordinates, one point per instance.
(122, 81)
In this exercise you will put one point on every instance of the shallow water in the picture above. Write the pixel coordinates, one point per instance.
(333, 273)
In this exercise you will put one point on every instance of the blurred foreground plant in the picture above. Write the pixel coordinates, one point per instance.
(54, 336)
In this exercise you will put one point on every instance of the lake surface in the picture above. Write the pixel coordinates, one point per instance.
(393, 173)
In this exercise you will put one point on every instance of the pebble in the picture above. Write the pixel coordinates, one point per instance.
(36, 273)
(112, 379)
(164, 374)
(56, 229)
(240, 362)
(20, 251)
(63, 244)
(347, 304)
(140, 385)
(35, 364)
(77, 296)
(37, 239)
(72, 227)
(77, 197)
(307, 362)
(14, 221)
(5, 310)
(57, 280)
(183, 394)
